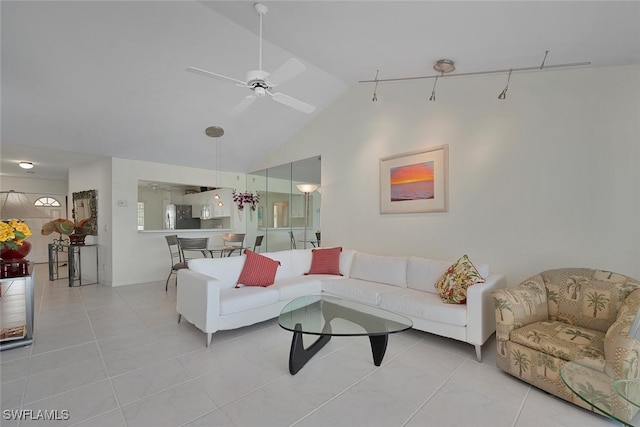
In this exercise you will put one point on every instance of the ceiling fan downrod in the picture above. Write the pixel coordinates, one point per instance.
(262, 10)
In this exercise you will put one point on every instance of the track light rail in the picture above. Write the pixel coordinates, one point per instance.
(477, 73)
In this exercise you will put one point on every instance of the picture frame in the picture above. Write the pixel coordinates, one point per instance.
(415, 182)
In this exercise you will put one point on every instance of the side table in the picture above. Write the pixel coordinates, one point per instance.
(12, 288)
(74, 262)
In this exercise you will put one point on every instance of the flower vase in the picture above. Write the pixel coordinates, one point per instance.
(13, 263)
(9, 255)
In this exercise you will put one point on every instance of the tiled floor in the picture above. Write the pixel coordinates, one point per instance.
(117, 357)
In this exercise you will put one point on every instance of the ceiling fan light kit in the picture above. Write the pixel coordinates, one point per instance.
(261, 82)
(444, 66)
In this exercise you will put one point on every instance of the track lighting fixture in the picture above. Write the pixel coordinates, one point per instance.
(375, 89)
(503, 94)
(433, 89)
(444, 66)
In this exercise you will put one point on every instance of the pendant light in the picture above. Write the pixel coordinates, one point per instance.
(217, 132)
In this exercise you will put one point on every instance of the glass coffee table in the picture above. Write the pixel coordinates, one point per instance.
(600, 387)
(328, 316)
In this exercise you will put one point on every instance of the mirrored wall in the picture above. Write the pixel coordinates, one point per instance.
(286, 216)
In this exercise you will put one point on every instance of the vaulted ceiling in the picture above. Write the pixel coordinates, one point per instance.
(107, 78)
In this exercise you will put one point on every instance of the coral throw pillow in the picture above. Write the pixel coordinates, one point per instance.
(258, 270)
(325, 261)
(453, 284)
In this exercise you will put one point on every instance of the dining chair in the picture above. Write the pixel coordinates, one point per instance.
(177, 261)
(193, 244)
(232, 242)
(257, 243)
(293, 240)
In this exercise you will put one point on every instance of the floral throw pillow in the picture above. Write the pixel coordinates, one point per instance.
(453, 284)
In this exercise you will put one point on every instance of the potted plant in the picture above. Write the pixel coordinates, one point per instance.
(13, 246)
(76, 232)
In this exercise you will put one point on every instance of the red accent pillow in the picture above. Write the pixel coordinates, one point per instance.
(325, 261)
(258, 270)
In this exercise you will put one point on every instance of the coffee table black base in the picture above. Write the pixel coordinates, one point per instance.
(299, 356)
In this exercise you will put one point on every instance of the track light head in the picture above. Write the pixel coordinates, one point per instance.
(432, 97)
(503, 94)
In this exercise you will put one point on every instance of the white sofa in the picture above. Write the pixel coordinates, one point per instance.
(207, 296)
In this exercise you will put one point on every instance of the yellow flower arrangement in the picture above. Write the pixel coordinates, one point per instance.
(13, 233)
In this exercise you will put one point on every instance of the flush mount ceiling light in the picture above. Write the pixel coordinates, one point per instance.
(26, 165)
(444, 66)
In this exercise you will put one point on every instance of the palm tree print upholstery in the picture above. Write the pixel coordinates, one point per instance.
(570, 314)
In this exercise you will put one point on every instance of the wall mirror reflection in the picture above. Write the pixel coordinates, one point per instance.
(171, 206)
(85, 211)
(288, 217)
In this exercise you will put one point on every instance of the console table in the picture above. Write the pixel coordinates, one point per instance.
(74, 262)
(13, 290)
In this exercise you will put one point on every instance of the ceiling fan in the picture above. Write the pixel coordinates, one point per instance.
(261, 82)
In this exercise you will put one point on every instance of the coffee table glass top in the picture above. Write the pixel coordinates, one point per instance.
(629, 390)
(598, 386)
(326, 315)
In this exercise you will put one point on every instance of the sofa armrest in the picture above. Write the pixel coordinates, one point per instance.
(198, 299)
(481, 321)
(620, 348)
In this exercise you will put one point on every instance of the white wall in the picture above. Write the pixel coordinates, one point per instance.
(96, 176)
(547, 178)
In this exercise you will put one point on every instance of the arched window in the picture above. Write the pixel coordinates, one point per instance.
(46, 202)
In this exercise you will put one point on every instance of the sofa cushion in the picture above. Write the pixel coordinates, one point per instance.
(258, 270)
(226, 270)
(559, 339)
(325, 261)
(424, 273)
(423, 305)
(236, 300)
(294, 287)
(452, 286)
(288, 267)
(381, 269)
(357, 290)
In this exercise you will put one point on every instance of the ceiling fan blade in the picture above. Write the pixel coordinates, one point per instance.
(292, 102)
(243, 105)
(286, 71)
(215, 75)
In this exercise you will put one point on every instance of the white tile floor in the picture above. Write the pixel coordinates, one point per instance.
(117, 357)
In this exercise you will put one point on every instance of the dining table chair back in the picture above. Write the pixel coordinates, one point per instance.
(318, 238)
(232, 242)
(257, 243)
(293, 240)
(189, 245)
(177, 261)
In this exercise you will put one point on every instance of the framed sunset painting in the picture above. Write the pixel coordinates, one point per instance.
(415, 182)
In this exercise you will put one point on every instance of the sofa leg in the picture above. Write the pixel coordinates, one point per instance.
(179, 317)
(479, 353)
(209, 339)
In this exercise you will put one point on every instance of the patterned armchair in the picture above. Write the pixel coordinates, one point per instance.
(569, 314)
